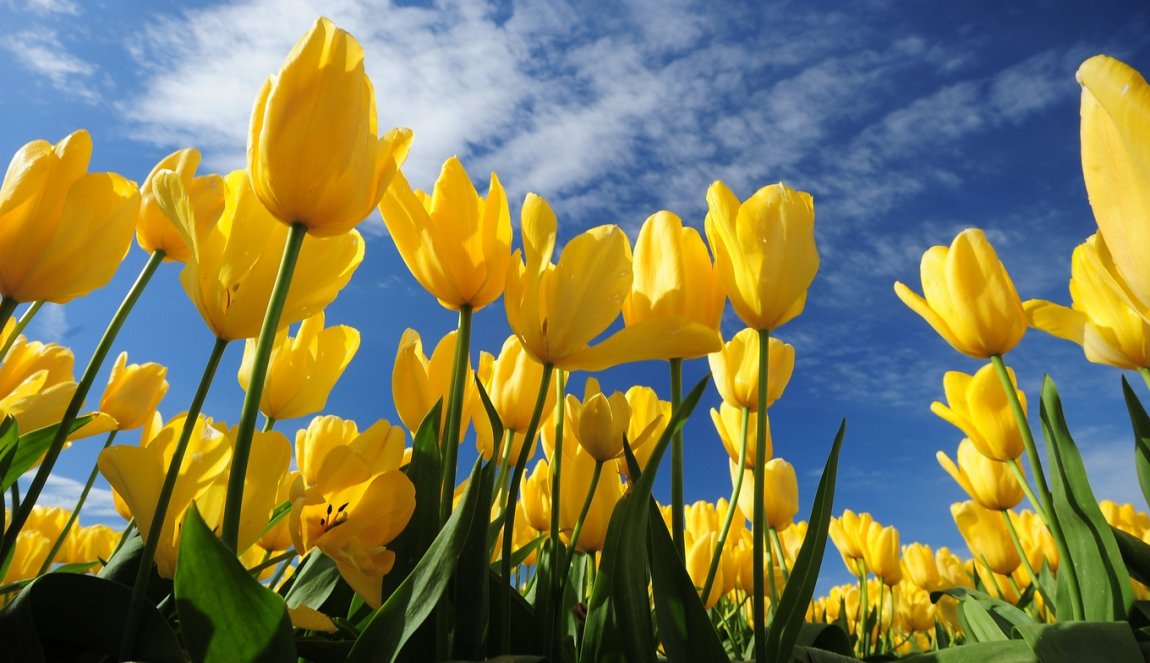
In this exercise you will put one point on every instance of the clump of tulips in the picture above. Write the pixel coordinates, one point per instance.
(355, 541)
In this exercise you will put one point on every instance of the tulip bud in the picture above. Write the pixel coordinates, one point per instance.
(133, 393)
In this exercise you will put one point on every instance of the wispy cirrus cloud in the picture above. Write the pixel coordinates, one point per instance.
(41, 51)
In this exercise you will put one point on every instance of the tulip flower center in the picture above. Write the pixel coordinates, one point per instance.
(334, 518)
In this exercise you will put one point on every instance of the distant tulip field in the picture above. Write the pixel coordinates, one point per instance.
(353, 541)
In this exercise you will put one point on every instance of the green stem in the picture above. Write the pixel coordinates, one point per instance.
(160, 515)
(128, 529)
(579, 524)
(279, 574)
(778, 544)
(7, 308)
(1143, 371)
(269, 424)
(59, 543)
(504, 467)
(864, 610)
(245, 429)
(512, 496)
(878, 618)
(285, 556)
(70, 413)
(759, 514)
(15, 491)
(678, 519)
(551, 622)
(450, 440)
(993, 578)
(771, 584)
(1046, 510)
(20, 325)
(717, 555)
(1025, 560)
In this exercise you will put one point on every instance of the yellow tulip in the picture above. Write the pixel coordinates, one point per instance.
(985, 534)
(969, 297)
(85, 545)
(556, 310)
(36, 385)
(512, 385)
(728, 422)
(764, 251)
(535, 494)
(952, 570)
(918, 564)
(881, 553)
(1125, 517)
(63, 230)
(314, 152)
(735, 369)
(577, 467)
(649, 418)
(154, 232)
(303, 370)
(848, 533)
(988, 482)
(1116, 165)
(602, 423)
(381, 446)
(417, 382)
(1100, 318)
(279, 536)
(28, 556)
(134, 391)
(235, 261)
(456, 243)
(698, 563)
(1036, 540)
(674, 277)
(781, 495)
(978, 406)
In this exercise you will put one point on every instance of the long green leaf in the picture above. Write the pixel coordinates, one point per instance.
(788, 621)
(618, 612)
(1006, 615)
(225, 614)
(409, 605)
(1009, 651)
(977, 623)
(684, 627)
(314, 581)
(123, 565)
(9, 439)
(825, 637)
(525, 628)
(1075, 642)
(1141, 423)
(470, 582)
(30, 449)
(1135, 553)
(1105, 582)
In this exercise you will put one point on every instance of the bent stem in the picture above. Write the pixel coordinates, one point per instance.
(758, 519)
(152, 540)
(246, 428)
(20, 516)
(678, 520)
(512, 497)
(59, 543)
(717, 554)
(450, 440)
(1046, 507)
(20, 325)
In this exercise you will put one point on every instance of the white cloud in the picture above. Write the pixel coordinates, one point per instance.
(64, 492)
(50, 324)
(48, 7)
(41, 51)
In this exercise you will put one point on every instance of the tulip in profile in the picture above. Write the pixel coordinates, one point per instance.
(781, 494)
(154, 231)
(978, 406)
(418, 382)
(512, 381)
(380, 446)
(729, 425)
(881, 553)
(987, 537)
(988, 482)
(969, 298)
(602, 421)
(735, 369)
(134, 391)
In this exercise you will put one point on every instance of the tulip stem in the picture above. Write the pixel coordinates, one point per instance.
(156, 527)
(778, 544)
(269, 424)
(551, 620)
(7, 308)
(1046, 507)
(20, 325)
(75, 515)
(504, 467)
(678, 520)
(717, 555)
(450, 441)
(579, 524)
(512, 496)
(758, 519)
(878, 618)
(1143, 371)
(20, 516)
(864, 608)
(245, 429)
(1025, 560)
(270, 561)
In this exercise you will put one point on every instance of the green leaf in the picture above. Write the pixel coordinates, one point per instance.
(1006, 615)
(314, 582)
(409, 605)
(523, 553)
(279, 513)
(123, 565)
(525, 628)
(788, 621)
(9, 438)
(826, 637)
(225, 614)
(1135, 554)
(66, 616)
(1141, 422)
(30, 449)
(1094, 555)
(470, 582)
(618, 612)
(977, 623)
(1075, 642)
(1009, 651)
(684, 627)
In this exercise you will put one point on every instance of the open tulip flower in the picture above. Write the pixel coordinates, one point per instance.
(969, 298)
(978, 406)
(134, 391)
(380, 446)
(63, 230)
(418, 382)
(649, 417)
(154, 231)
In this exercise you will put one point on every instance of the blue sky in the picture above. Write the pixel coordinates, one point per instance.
(906, 121)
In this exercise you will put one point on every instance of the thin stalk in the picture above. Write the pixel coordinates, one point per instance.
(678, 520)
(579, 523)
(245, 429)
(878, 618)
(15, 492)
(274, 582)
(128, 529)
(269, 561)
(512, 496)
(20, 325)
(59, 543)
(717, 554)
(778, 544)
(1025, 560)
(1145, 373)
(152, 540)
(864, 610)
(7, 308)
(1047, 506)
(993, 578)
(504, 467)
(550, 621)
(771, 584)
(450, 440)
(70, 413)
(759, 513)
(269, 424)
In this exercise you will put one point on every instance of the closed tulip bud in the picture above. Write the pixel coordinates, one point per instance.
(916, 612)
(951, 569)
(764, 251)
(1100, 318)
(728, 422)
(848, 534)
(535, 493)
(978, 406)
(674, 277)
(919, 566)
(65, 230)
(577, 469)
(986, 536)
(649, 418)
(698, 562)
(556, 310)
(512, 382)
(456, 243)
(418, 383)
(988, 482)
(735, 369)
(882, 553)
(792, 539)
(380, 447)
(86, 545)
(154, 232)
(133, 393)
(602, 424)
(1036, 539)
(1116, 165)
(314, 151)
(303, 370)
(781, 492)
(969, 297)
